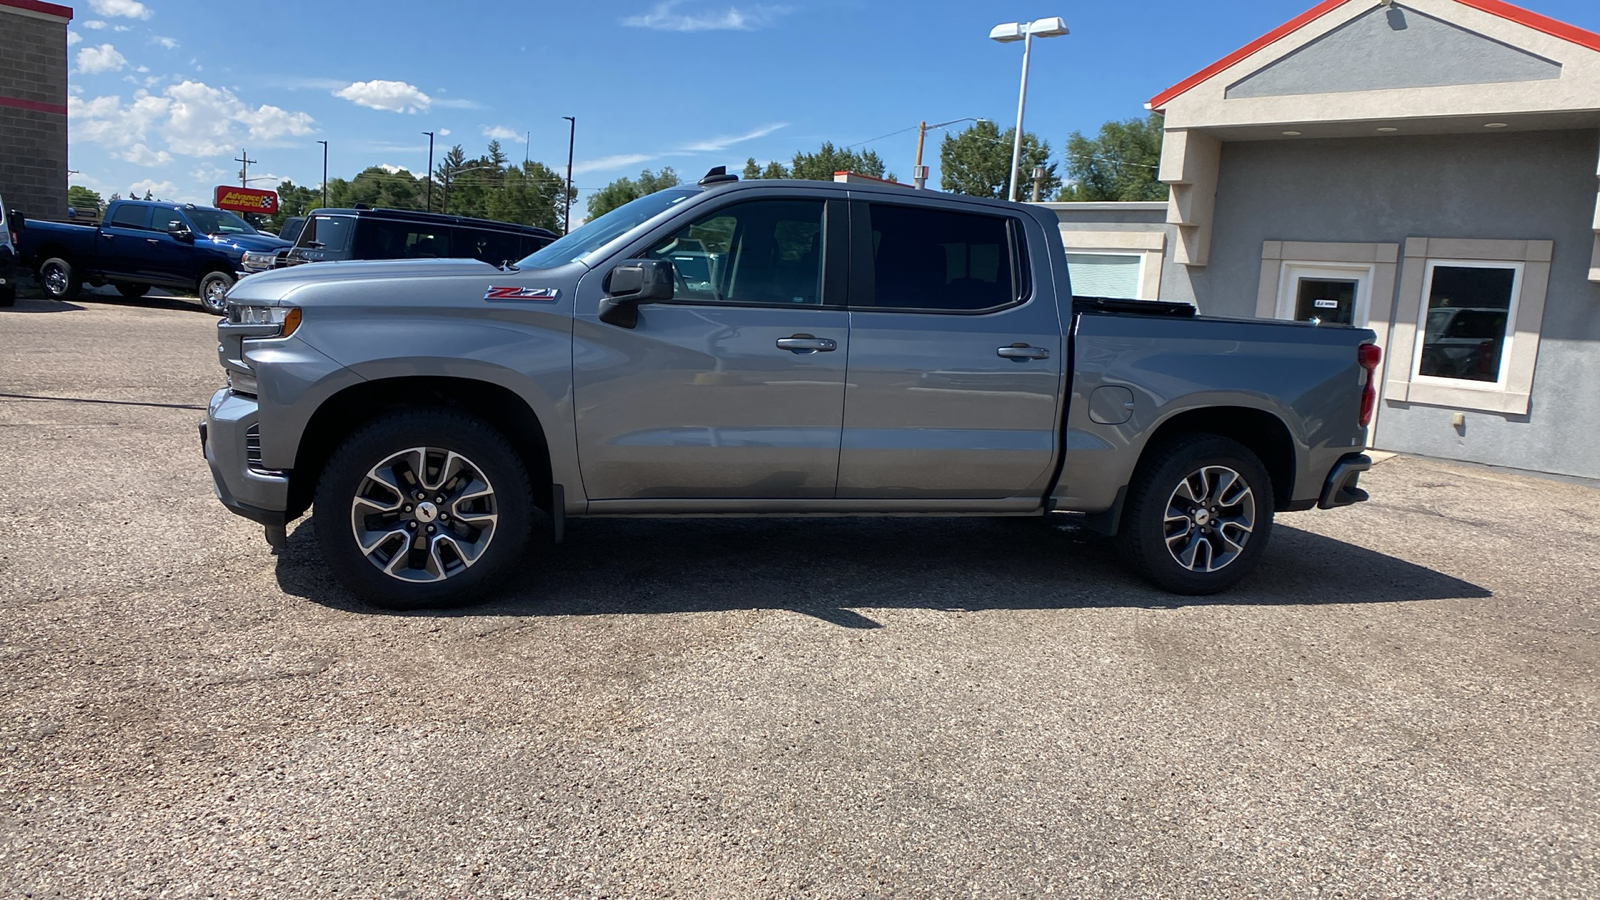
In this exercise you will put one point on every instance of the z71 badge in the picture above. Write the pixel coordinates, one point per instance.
(521, 293)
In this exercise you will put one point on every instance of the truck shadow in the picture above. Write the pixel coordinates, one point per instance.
(830, 568)
(34, 305)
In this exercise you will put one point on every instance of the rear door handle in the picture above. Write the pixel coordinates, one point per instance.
(806, 343)
(1023, 352)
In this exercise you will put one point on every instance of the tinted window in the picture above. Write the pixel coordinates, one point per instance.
(1469, 309)
(935, 259)
(327, 233)
(130, 216)
(219, 221)
(493, 247)
(164, 219)
(381, 239)
(764, 251)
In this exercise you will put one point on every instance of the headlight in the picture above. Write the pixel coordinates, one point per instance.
(273, 321)
(258, 260)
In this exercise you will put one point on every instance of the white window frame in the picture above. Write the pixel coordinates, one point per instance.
(1127, 254)
(1147, 243)
(1363, 276)
(1513, 394)
(1506, 349)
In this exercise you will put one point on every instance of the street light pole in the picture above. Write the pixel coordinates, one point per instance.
(324, 172)
(572, 134)
(430, 170)
(1024, 32)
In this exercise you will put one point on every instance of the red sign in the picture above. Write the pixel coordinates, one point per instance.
(246, 200)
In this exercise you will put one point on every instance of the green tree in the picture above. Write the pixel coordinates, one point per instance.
(626, 190)
(774, 169)
(293, 200)
(820, 165)
(1123, 163)
(81, 197)
(752, 172)
(977, 162)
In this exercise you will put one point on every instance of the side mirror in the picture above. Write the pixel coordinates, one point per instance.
(632, 283)
(180, 231)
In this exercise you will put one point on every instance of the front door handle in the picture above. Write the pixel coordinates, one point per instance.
(806, 343)
(1023, 352)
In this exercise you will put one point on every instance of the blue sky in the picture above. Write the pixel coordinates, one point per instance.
(165, 93)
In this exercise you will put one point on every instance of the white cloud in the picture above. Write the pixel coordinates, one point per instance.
(444, 132)
(130, 9)
(191, 118)
(712, 145)
(104, 58)
(160, 189)
(122, 28)
(168, 43)
(664, 16)
(93, 24)
(393, 169)
(457, 104)
(394, 96)
(74, 38)
(140, 155)
(605, 163)
(500, 132)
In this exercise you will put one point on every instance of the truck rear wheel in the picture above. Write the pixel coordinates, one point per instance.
(59, 280)
(423, 509)
(1199, 515)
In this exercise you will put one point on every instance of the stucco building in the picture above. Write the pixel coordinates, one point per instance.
(1426, 169)
(33, 106)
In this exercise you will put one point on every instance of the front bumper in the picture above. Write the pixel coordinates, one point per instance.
(1340, 487)
(258, 494)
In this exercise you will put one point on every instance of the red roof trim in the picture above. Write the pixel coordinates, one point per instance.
(1499, 8)
(1271, 37)
(49, 9)
(34, 105)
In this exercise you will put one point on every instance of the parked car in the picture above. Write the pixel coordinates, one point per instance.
(339, 235)
(429, 408)
(8, 254)
(1463, 342)
(143, 244)
(262, 260)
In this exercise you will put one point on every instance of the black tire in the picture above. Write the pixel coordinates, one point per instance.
(133, 291)
(212, 291)
(1152, 543)
(345, 480)
(59, 279)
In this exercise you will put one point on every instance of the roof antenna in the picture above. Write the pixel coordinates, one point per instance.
(717, 175)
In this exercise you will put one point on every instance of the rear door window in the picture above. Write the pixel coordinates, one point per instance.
(384, 239)
(130, 216)
(934, 259)
(491, 246)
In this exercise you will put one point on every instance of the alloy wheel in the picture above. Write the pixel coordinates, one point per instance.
(1210, 516)
(424, 514)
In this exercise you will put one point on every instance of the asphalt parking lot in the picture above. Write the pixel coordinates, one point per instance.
(1403, 702)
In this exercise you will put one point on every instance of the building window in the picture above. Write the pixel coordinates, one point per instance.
(1114, 275)
(1468, 321)
(1466, 325)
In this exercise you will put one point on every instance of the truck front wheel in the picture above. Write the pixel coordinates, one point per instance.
(422, 509)
(59, 280)
(213, 291)
(1198, 516)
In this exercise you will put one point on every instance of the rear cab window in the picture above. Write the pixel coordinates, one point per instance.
(129, 215)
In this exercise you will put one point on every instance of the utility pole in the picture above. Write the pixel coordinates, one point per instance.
(324, 173)
(430, 170)
(244, 161)
(572, 133)
(1038, 176)
(527, 149)
(919, 180)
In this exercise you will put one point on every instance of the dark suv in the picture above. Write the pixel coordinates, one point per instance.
(344, 234)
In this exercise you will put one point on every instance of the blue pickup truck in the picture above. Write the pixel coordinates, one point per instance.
(144, 244)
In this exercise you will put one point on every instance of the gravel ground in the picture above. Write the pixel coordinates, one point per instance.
(1402, 702)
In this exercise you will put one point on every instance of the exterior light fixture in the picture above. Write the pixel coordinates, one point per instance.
(1011, 32)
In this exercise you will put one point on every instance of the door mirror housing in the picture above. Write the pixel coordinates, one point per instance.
(632, 283)
(180, 231)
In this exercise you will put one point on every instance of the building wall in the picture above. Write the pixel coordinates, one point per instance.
(1510, 186)
(33, 112)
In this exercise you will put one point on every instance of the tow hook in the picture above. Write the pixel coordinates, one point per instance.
(277, 536)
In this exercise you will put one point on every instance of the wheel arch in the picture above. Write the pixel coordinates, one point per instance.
(361, 403)
(1260, 431)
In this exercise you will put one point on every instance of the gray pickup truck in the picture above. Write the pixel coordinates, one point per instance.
(767, 348)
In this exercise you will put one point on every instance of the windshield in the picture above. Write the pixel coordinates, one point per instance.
(216, 221)
(596, 233)
(330, 233)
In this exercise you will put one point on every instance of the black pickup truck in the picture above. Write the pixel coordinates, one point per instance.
(144, 244)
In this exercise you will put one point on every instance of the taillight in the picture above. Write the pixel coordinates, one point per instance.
(1369, 355)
